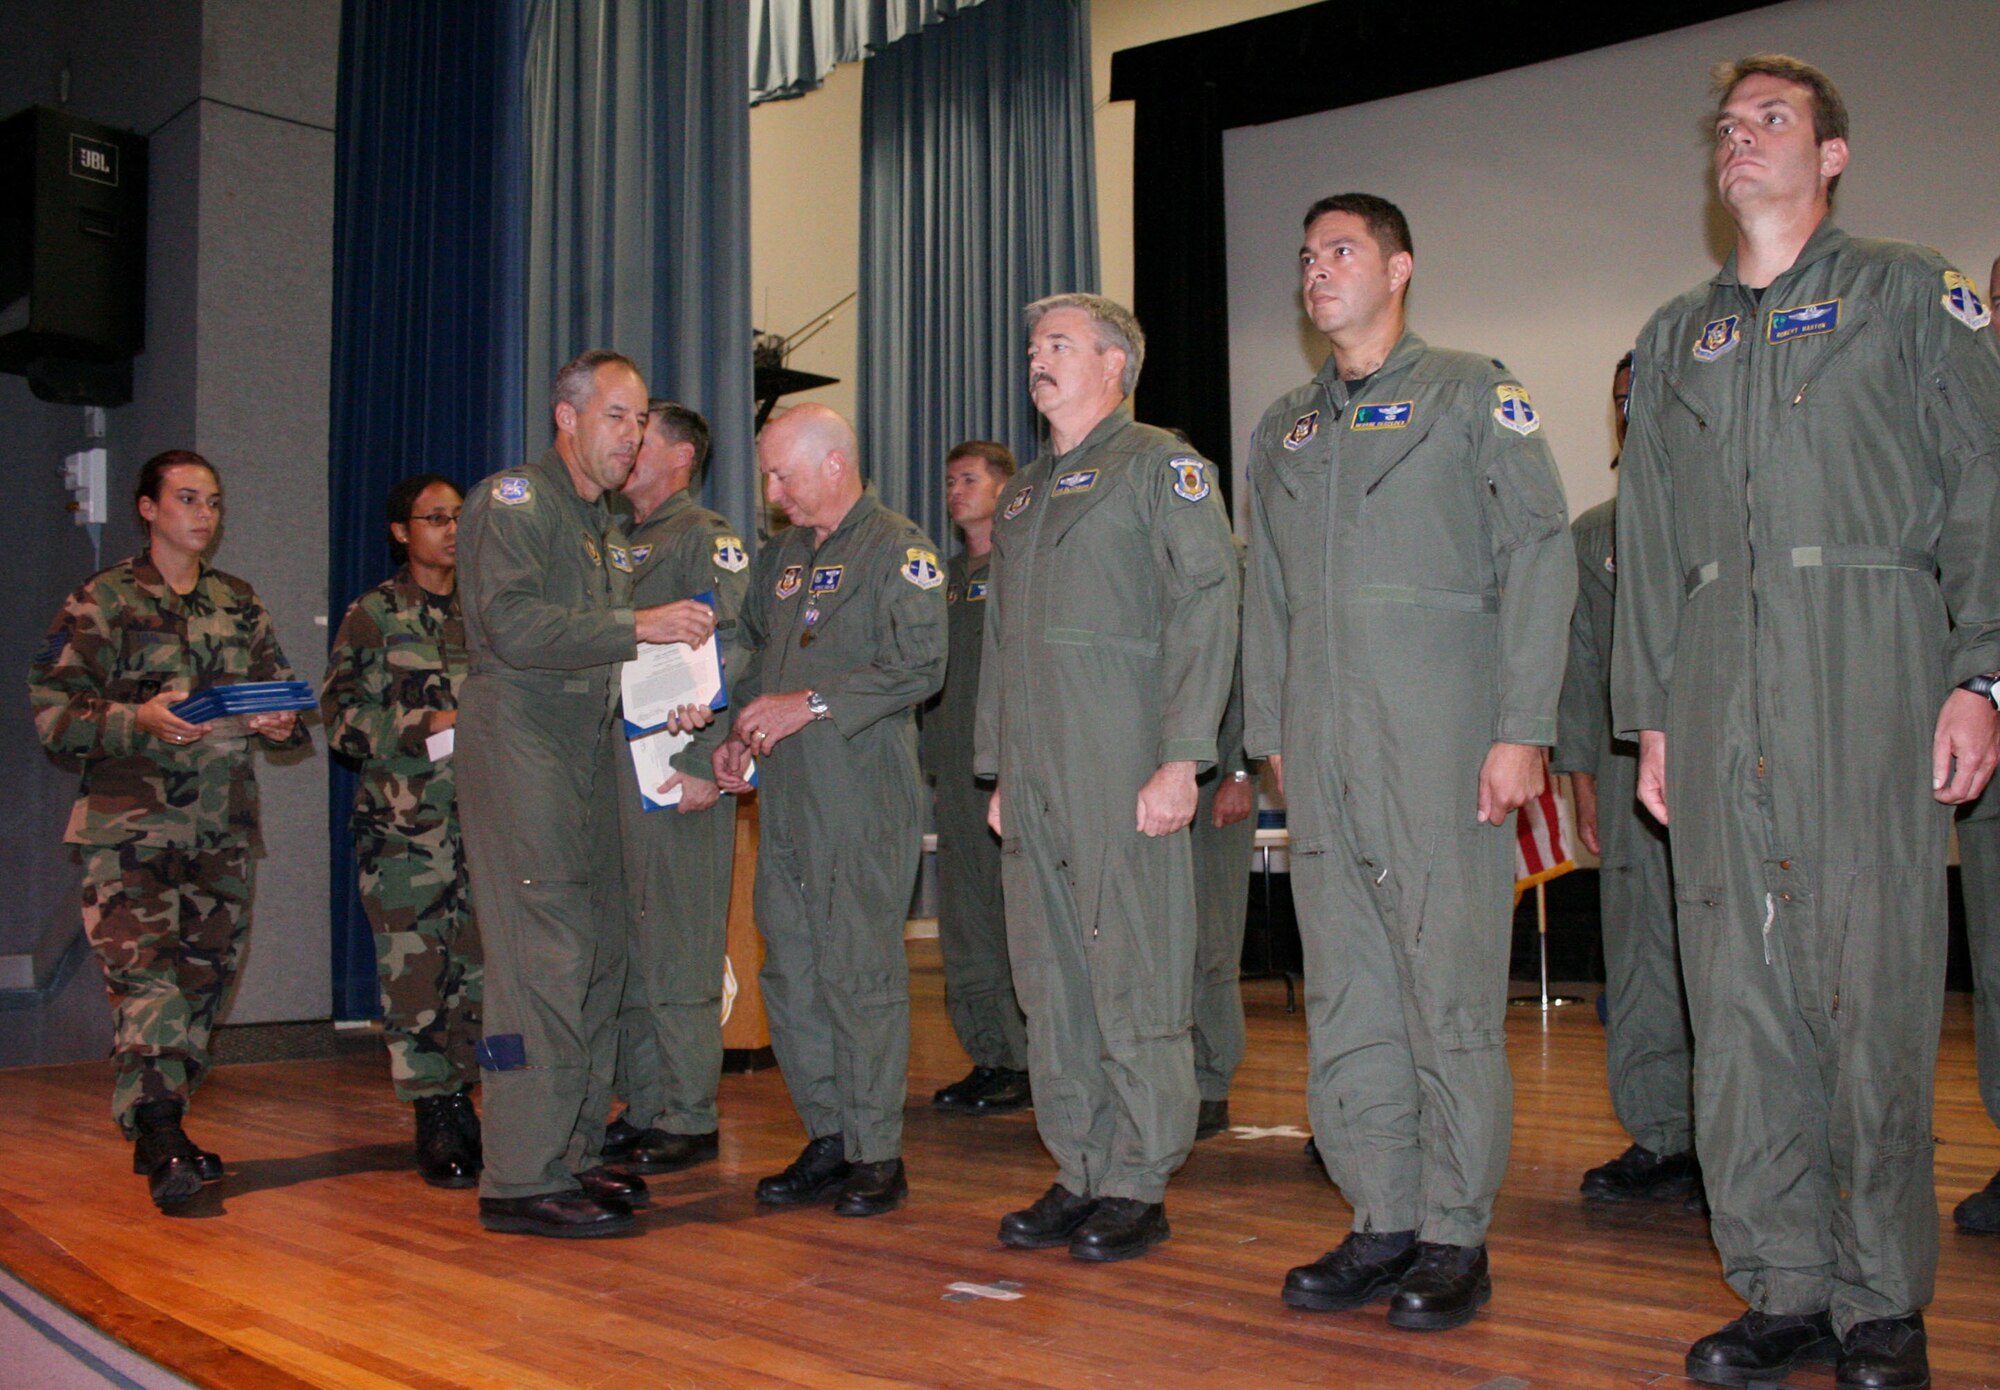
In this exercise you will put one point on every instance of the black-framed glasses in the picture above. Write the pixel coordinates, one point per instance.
(438, 519)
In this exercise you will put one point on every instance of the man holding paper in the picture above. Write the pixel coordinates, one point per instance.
(680, 840)
(845, 635)
(546, 586)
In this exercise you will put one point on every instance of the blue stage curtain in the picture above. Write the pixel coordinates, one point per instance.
(638, 129)
(978, 196)
(426, 310)
(794, 44)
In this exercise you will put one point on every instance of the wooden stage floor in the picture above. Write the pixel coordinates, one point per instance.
(323, 1261)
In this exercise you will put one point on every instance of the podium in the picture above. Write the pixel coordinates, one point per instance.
(746, 1032)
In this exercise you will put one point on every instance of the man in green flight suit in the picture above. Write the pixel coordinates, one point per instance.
(844, 634)
(1809, 563)
(1110, 636)
(545, 586)
(678, 857)
(972, 915)
(1648, 1052)
(1410, 587)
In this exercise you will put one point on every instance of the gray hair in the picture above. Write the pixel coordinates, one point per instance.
(577, 378)
(1112, 321)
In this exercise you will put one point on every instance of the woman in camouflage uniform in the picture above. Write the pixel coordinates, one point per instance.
(165, 822)
(391, 692)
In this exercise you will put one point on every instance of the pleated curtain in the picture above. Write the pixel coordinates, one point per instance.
(794, 44)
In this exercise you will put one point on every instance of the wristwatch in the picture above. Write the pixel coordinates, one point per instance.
(1987, 687)
(1240, 775)
(817, 704)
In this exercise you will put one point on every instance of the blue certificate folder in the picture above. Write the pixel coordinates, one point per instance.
(721, 700)
(250, 697)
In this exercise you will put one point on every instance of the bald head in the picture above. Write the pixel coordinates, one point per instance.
(811, 464)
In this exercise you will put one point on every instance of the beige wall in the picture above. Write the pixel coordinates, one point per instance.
(805, 184)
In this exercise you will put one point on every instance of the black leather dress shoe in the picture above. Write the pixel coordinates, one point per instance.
(1446, 1285)
(610, 1187)
(619, 1137)
(1008, 1092)
(1122, 1228)
(1211, 1119)
(168, 1158)
(656, 1151)
(1640, 1175)
(1885, 1354)
(563, 1215)
(443, 1157)
(968, 1088)
(1980, 1213)
(872, 1189)
(1761, 1347)
(1051, 1221)
(1366, 1266)
(815, 1175)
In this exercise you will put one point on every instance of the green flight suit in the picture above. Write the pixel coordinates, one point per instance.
(398, 658)
(1110, 628)
(861, 620)
(1979, 877)
(972, 913)
(165, 833)
(1648, 1051)
(547, 620)
(1411, 579)
(1222, 905)
(678, 866)
(1811, 500)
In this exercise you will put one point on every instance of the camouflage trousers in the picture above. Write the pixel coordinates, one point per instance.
(167, 923)
(427, 957)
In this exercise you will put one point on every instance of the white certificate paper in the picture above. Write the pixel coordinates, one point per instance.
(441, 744)
(665, 676)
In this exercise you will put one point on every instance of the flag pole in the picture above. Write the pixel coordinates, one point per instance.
(1544, 1001)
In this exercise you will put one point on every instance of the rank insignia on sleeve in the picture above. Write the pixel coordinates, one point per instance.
(730, 554)
(1717, 338)
(1303, 429)
(1376, 416)
(621, 558)
(975, 592)
(790, 580)
(53, 647)
(920, 567)
(1190, 479)
(1801, 320)
(1082, 480)
(640, 554)
(1515, 412)
(513, 491)
(826, 578)
(1962, 301)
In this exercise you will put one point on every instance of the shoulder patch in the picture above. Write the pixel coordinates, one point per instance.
(1190, 479)
(513, 491)
(52, 648)
(790, 580)
(1717, 338)
(920, 567)
(1383, 415)
(730, 554)
(1515, 412)
(1019, 504)
(1962, 301)
(1303, 429)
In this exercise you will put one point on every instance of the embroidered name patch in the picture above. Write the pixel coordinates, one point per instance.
(920, 567)
(1190, 479)
(826, 579)
(640, 554)
(1083, 480)
(1962, 302)
(790, 580)
(975, 592)
(730, 554)
(1802, 320)
(513, 491)
(1019, 504)
(1717, 338)
(1515, 412)
(1303, 429)
(1394, 415)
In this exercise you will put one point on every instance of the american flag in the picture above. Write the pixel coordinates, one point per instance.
(1541, 840)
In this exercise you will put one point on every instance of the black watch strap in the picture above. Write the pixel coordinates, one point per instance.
(1984, 686)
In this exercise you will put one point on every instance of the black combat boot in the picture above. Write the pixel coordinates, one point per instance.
(1366, 1266)
(1640, 1175)
(1761, 1347)
(1444, 1288)
(815, 1175)
(442, 1160)
(168, 1158)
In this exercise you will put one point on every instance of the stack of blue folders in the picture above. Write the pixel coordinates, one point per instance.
(251, 697)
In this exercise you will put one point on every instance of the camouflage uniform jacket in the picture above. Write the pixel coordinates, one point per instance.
(395, 662)
(120, 639)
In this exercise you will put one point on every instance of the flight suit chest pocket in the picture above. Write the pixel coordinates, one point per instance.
(1816, 366)
(1378, 453)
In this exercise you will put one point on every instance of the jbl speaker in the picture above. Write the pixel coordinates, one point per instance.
(72, 254)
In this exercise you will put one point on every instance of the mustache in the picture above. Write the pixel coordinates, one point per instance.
(1036, 378)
